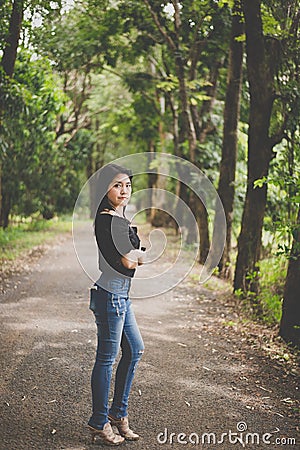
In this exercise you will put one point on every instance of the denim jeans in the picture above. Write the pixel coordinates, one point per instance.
(117, 327)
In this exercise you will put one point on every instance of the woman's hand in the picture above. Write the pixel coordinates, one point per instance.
(133, 259)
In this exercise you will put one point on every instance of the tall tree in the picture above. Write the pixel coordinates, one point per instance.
(13, 97)
(263, 59)
(13, 36)
(8, 64)
(290, 321)
(185, 41)
(226, 188)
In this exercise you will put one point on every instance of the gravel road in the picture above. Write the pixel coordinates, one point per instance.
(204, 381)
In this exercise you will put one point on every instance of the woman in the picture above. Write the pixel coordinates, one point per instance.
(119, 255)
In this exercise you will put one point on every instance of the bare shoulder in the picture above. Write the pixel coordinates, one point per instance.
(108, 212)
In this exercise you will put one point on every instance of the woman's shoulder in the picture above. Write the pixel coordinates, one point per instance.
(111, 214)
(103, 216)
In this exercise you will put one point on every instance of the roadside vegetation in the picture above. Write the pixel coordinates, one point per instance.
(21, 237)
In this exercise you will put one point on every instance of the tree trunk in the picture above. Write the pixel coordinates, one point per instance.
(290, 321)
(182, 193)
(158, 215)
(8, 63)
(261, 86)
(195, 204)
(230, 133)
(201, 217)
(1, 202)
(12, 41)
(95, 162)
(151, 180)
(187, 122)
(5, 210)
(202, 119)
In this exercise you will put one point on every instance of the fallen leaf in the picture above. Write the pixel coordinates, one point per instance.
(264, 389)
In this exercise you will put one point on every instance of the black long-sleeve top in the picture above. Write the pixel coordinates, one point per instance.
(115, 238)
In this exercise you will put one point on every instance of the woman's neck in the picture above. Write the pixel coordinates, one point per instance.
(119, 211)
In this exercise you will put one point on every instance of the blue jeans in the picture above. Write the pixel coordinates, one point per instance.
(117, 328)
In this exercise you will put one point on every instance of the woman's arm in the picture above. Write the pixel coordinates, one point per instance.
(133, 259)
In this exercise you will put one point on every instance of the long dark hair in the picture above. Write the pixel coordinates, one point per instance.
(105, 177)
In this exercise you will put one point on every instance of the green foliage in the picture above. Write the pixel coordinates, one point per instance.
(273, 273)
(170, 84)
(223, 3)
(283, 198)
(38, 174)
(260, 183)
(78, 39)
(241, 38)
(271, 26)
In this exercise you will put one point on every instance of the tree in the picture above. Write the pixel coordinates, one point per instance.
(13, 36)
(33, 170)
(226, 187)
(290, 321)
(264, 57)
(80, 45)
(13, 96)
(186, 33)
(8, 64)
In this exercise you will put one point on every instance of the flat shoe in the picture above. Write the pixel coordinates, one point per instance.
(107, 435)
(123, 428)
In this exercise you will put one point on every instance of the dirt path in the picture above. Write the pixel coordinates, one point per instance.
(197, 375)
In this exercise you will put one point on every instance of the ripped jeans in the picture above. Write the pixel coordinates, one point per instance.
(117, 328)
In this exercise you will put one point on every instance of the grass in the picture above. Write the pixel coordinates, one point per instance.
(20, 237)
(272, 280)
(273, 274)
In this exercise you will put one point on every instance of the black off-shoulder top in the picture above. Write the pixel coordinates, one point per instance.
(115, 238)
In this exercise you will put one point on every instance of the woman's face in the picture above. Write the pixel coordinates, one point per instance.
(119, 190)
